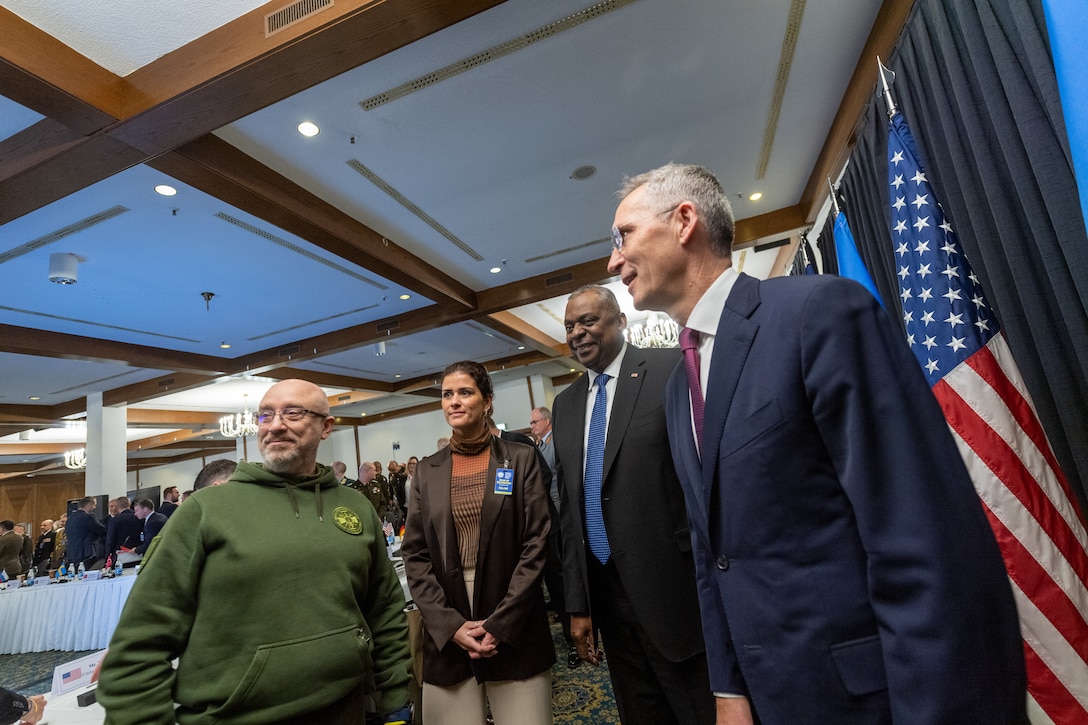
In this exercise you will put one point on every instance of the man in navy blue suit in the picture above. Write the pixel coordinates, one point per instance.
(846, 570)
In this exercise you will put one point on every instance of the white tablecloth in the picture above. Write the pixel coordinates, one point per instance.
(74, 616)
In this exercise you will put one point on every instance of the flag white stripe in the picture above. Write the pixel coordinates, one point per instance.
(1051, 647)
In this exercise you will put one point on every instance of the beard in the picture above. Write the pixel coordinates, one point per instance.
(284, 461)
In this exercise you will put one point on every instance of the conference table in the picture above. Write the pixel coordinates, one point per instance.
(70, 617)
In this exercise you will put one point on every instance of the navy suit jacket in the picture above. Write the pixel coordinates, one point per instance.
(641, 502)
(847, 573)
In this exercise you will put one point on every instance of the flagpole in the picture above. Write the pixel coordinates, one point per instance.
(834, 201)
(884, 72)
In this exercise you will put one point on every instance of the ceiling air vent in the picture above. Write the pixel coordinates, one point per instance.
(296, 12)
(558, 279)
(388, 326)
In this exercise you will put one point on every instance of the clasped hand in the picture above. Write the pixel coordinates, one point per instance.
(477, 641)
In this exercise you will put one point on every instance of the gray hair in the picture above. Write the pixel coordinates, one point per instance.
(604, 296)
(673, 184)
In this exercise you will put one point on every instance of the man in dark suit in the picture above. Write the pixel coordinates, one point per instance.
(636, 581)
(169, 501)
(44, 548)
(85, 534)
(847, 573)
(152, 522)
(123, 529)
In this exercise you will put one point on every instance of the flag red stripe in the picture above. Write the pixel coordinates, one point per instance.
(989, 369)
(996, 454)
(1036, 583)
(1050, 693)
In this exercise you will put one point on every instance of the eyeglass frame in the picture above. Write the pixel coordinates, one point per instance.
(267, 417)
(617, 235)
(538, 420)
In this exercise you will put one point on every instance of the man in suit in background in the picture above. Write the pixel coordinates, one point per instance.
(847, 573)
(123, 529)
(627, 560)
(85, 534)
(43, 550)
(169, 501)
(340, 471)
(219, 472)
(152, 521)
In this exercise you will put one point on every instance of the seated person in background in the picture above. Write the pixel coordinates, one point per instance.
(215, 473)
(16, 708)
(153, 523)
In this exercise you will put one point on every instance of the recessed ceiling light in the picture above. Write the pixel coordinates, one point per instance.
(165, 190)
(396, 376)
(225, 345)
(583, 172)
(308, 128)
(35, 397)
(496, 270)
(406, 297)
(755, 196)
(521, 347)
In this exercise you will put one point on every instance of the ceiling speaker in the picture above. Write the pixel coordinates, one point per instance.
(63, 268)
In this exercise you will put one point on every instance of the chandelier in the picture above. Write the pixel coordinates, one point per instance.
(75, 459)
(655, 331)
(239, 425)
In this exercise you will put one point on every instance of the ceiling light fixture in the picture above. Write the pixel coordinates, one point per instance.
(496, 270)
(755, 196)
(379, 349)
(225, 345)
(63, 268)
(239, 425)
(583, 172)
(308, 129)
(406, 297)
(165, 190)
(654, 331)
(35, 397)
(76, 459)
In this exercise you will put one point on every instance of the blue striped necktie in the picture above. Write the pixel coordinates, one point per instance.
(598, 427)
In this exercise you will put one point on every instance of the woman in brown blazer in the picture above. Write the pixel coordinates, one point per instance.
(474, 550)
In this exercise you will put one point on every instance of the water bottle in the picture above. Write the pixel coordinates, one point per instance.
(30, 576)
(82, 572)
(117, 567)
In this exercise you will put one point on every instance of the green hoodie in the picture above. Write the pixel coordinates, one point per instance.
(277, 597)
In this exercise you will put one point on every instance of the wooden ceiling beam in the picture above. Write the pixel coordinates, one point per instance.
(149, 389)
(146, 417)
(217, 168)
(508, 324)
(882, 40)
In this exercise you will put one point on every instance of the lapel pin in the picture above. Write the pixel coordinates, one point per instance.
(634, 375)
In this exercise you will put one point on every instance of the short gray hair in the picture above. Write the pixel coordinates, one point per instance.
(673, 184)
(604, 296)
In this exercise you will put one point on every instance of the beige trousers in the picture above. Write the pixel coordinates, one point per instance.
(513, 702)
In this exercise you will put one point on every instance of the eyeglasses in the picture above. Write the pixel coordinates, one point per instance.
(291, 415)
(534, 422)
(618, 236)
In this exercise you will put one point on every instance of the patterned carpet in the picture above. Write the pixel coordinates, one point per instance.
(580, 696)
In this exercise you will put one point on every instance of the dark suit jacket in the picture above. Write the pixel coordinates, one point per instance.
(152, 526)
(44, 548)
(641, 500)
(847, 573)
(124, 529)
(82, 530)
(509, 567)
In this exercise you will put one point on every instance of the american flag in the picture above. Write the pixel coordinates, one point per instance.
(957, 341)
(71, 675)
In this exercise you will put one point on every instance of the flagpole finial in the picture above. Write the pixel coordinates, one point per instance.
(887, 77)
(834, 199)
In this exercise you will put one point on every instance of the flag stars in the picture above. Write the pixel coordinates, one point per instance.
(908, 317)
(932, 366)
(973, 278)
(956, 344)
(979, 302)
(927, 293)
(910, 339)
(905, 294)
(952, 295)
(946, 227)
(920, 200)
(922, 247)
(898, 181)
(897, 157)
(902, 248)
(900, 202)
(927, 317)
(921, 224)
(982, 325)
(951, 272)
(919, 177)
(904, 273)
(923, 272)
(901, 226)
(949, 248)
(929, 342)
(954, 320)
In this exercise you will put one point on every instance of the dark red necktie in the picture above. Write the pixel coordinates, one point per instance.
(689, 343)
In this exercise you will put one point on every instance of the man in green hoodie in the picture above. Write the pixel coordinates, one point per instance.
(274, 592)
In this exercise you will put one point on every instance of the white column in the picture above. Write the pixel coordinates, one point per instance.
(107, 450)
(542, 390)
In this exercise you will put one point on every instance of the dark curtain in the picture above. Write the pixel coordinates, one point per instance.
(826, 241)
(976, 83)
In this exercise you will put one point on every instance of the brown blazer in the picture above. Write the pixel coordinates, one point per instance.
(509, 566)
